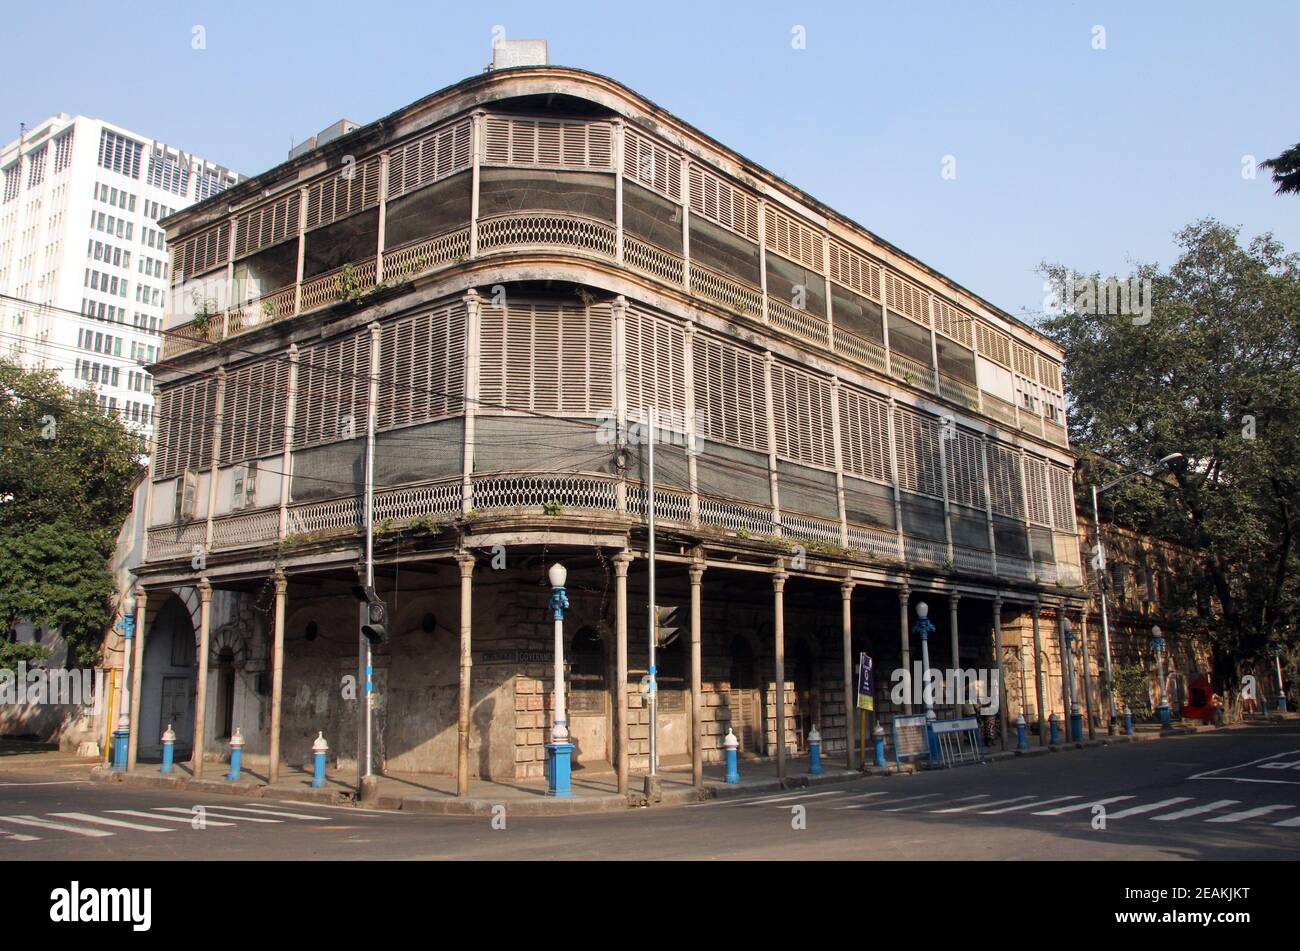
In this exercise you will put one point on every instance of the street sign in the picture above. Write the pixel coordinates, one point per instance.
(667, 624)
(910, 737)
(866, 683)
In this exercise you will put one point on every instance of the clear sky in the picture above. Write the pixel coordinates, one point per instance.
(1063, 152)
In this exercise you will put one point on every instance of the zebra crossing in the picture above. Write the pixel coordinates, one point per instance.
(32, 827)
(1123, 806)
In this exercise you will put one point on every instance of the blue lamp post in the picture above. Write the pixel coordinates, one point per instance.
(923, 628)
(125, 624)
(559, 751)
(1281, 690)
(1076, 716)
(1158, 643)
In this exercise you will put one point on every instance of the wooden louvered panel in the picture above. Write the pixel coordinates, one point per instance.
(548, 143)
(333, 390)
(650, 164)
(728, 385)
(267, 225)
(1005, 481)
(185, 427)
(854, 271)
(1025, 365)
(1049, 374)
(492, 357)
(422, 367)
(952, 321)
(907, 298)
(1036, 486)
(255, 402)
(1061, 483)
(801, 405)
(353, 189)
(430, 158)
(723, 203)
(965, 471)
(864, 435)
(656, 365)
(203, 252)
(545, 320)
(993, 344)
(548, 358)
(794, 240)
(917, 446)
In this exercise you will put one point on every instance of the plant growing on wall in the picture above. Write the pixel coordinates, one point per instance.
(205, 308)
(1133, 688)
(552, 507)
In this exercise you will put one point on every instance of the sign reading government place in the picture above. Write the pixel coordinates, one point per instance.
(516, 657)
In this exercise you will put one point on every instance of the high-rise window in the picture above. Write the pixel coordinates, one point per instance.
(63, 150)
(36, 166)
(119, 154)
(168, 172)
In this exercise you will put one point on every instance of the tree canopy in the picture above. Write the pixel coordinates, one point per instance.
(66, 477)
(1212, 371)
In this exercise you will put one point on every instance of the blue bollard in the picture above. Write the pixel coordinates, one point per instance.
(1165, 723)
(879, 735)
(121, 738)
(236, 754)
(559, 755)
(168, 744)
(731, 744)
(1076, 725)
(1128, 722)
(814, 752)
(319, 750)
(1022, 735)
(1054, 726)
(932, 739)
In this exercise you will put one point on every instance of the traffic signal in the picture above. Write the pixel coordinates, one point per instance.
(375, 615)
(667, 624)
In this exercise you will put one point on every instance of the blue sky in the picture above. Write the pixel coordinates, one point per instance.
(1063, 152)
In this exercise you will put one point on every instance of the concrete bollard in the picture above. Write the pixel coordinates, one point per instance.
(121, 738)
(1054, 730)
(169, 745)
(1128, 722)
(731, 744)
(1076, 725)
(1022, 734)
(236, 754)
(879, 736)
(814, 752)
(319, 750)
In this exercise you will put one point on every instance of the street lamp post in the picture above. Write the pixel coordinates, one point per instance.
(1158, 642)
(923, 629)
(126, 624)
(1101, 572)
(559, 750)
(1281, 689)
(1076, 717)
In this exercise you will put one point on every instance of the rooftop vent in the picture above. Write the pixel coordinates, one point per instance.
(508, 53)
(327, 134)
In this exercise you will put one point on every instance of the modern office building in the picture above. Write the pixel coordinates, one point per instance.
(83, 261)
(486, 301)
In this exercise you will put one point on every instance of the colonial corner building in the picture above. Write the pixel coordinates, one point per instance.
(513, 282)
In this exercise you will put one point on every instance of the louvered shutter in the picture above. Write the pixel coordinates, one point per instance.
(801, 406)
(267, 225)
(548, 143)
(203, 252)
(650, 164)
(185, 427)
(907, 298)
(255, 401)
(1062, 488)
(952, 321)
(917, 439)
(794, 240)
(993, 344)
(864, 435)
(723, 203)
(1005, 481)
(422, 367)
(1036, 485)
(656, 365)
(728, 386)
(965, 472)
(352, 190)
(333, 390)
(430, 158)
(854, 271)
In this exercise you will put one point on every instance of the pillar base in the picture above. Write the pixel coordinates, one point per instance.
(558, 766)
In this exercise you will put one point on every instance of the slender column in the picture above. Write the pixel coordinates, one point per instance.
(953, 600)
(290, 422)
(762, 259)
(778, 588)
(905, 595)
(1002, 675)
(277, 678)
(476, 153)
(947, 424)
(850, 708)
(988, 501)
(302, 250)
(768, 360)
(473, 311)
(1087, 676)
(381, 239)
(836, 448)
(685, 199)
(1067, 672)
(1038, 678)
(201, 687)
(466, 563)
(697, 752)
(620, 400)
(692, 468)
(898, 497)
(137, 676)
(214, 468)
(618, 189)
(621, 561)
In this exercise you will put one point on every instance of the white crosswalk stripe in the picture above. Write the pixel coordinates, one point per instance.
(59, 826)
(1082, 805)
(105, 821)
(210, 811)
(1148, 807)
(798, 798)
(983, 805)
(260, 811)
(158, 818)
(1249, 813)
(1289, 823)
(890, 802)
(912, 805)
(18, 836)
(1026, 805)
(1195, 810)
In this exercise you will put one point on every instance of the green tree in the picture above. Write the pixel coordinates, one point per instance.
(1214, 374)
(66, 476)
(1286, 170)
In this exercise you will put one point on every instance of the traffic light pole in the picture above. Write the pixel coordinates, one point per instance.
(365, 756)
(651, 415)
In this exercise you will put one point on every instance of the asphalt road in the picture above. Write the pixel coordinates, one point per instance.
(1228, 795)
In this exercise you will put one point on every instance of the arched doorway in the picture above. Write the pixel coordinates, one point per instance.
(745, 700)
(225, 706)
(167, 681)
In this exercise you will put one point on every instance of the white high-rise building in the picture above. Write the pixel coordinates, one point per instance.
(83, 263)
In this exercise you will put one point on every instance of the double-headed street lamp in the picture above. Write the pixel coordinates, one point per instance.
(923, 628)
(559, 749)
(1101, 572)
(1281, 689)
(1158, 643)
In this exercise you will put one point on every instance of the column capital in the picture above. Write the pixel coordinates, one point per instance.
(953, 598)
(998, 601)
(904, 594)
(779, 579)
(621, 562)
(141, 597)
(281, 582)
(696, 571)
(205, 589)
(466, 562)
(846, 588)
